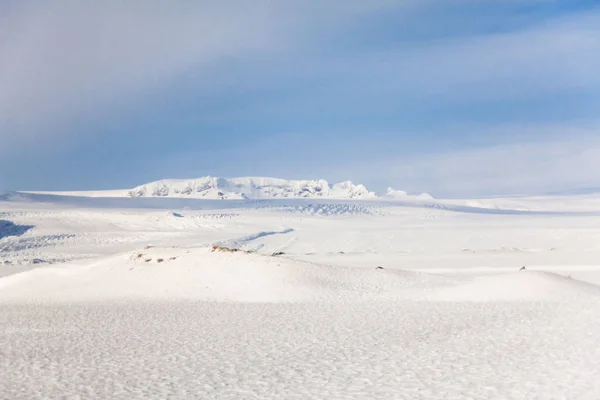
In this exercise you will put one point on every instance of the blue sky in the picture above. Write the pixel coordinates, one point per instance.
(452, 97)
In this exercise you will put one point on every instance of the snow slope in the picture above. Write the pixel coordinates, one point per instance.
(128, 298)
(201, 274)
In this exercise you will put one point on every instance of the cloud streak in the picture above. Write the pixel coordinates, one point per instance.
(556, 163)
(561, 54)
(60, 61)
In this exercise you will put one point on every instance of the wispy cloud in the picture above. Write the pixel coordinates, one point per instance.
(568, 158)
(64, 60)
(538, 63)
(70, 59)
(61, 60)
(547, 58)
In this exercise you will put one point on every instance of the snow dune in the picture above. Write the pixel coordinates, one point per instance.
(202, 274)
(208, 275)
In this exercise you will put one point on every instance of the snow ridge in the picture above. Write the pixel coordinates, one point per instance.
(251, 188)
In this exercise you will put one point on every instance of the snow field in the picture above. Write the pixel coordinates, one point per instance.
(306, 300)
(361, 350)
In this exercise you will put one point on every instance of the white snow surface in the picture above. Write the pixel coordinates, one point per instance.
(395, 298)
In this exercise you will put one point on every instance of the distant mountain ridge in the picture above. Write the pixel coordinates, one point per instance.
(251, 188)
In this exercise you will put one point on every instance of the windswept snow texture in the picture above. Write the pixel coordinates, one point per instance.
(270, 297)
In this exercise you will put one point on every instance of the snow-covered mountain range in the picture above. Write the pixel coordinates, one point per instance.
(251, 188)
(255, 188)
(260, 188)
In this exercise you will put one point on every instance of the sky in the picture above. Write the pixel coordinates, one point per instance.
(449, 97)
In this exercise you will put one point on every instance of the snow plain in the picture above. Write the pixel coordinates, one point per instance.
(394, 298)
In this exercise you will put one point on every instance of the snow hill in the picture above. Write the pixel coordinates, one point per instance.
(251, 187)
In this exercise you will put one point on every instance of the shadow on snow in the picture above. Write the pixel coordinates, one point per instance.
(9, 228)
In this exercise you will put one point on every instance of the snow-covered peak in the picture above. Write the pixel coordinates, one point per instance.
(206, 187)
(251, 187)
(402, 195)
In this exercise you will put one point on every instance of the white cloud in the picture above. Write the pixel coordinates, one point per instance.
(532, 167)
(548, 58)
(63, 60)
(525, 66)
